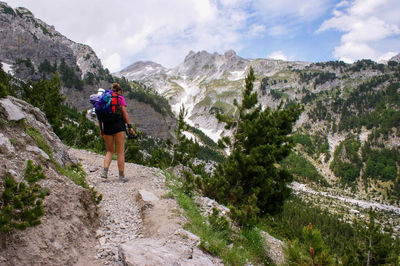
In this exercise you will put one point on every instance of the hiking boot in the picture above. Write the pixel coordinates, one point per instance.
(104, 173)
(122, 177)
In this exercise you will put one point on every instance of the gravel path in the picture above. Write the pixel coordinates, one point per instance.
(121, 219)
(139, 226)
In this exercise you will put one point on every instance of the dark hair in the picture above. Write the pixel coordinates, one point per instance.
(116, 87)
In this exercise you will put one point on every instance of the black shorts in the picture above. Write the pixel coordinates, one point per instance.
(111, 128)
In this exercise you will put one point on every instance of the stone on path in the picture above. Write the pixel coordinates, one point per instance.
(161, 252)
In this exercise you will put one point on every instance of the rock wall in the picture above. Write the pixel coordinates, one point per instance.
(23, 36)
(70, 218)
(150, 121)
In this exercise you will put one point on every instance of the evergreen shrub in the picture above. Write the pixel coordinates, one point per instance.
(21, 202)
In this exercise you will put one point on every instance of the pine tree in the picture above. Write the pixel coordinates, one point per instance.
(377, 246)
(21, 203)
(251, 181)
(4, 81)
(184, 150)
(311, 252)
(46, 95)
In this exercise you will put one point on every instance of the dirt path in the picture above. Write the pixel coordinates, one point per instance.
(139, 225)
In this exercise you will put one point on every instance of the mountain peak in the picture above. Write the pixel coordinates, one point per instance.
(230, 53)
(395, 58)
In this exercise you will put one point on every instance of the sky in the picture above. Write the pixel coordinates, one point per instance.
(122, 32)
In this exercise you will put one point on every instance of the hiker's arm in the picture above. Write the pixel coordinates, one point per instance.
(127, 120)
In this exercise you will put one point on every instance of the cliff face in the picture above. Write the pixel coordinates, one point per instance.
(22, 37)
(70, 217)
(26, 42)
(150, 121)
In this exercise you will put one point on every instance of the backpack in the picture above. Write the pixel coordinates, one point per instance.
(107, 106)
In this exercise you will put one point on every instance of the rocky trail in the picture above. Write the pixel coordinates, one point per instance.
(138, 224)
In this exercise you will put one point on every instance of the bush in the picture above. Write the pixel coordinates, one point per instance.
(21, 203)
(249, 181)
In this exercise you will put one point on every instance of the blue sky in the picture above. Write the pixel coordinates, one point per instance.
(122, 32)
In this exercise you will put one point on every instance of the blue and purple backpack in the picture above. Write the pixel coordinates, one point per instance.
(107, 106)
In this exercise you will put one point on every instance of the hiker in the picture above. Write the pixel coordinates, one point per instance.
(113, 134)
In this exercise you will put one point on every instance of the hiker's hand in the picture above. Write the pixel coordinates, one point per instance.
(132, 132)
(102, 134)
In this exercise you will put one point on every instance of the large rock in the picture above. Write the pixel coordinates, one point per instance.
(12, 111)
(162, 252)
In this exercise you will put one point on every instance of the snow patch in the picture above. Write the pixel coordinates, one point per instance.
(237, 75)
(7, 68)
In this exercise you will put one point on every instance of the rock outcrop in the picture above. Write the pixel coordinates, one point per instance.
(26, 42)
(395, 58)
(67, 229)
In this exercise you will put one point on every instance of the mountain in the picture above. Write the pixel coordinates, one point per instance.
(26, 42)
(32, 49)
(395, 58)
(205, 83)
(349, 129)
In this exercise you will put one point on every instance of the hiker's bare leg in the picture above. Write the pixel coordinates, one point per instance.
(110, 150)
(120, 143)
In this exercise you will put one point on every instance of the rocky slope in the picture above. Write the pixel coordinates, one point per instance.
(22, 36)
(340, 101)
(204, 83)
(68, 226)
(26, 42)
(133, 225)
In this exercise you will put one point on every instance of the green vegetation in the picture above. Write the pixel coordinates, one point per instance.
(24, 64)
(8, 10)
(276, 94)
(311, 252)
(380, 163)
(45, 94)
(4, 82)
(69, 77)
(347, 163)
(373, 108)
(140, 92)
(184, 151)
(21, 204)
(314, 145)
(301, 168)
(248, 181)
(39, 139)
(75, 173)
(348, 243)
(47, 68)
(216, 234)
(78, 131)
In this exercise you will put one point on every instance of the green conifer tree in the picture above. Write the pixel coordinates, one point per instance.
(4, 81)
(46, 95)
(184, 150)
(311, 252)
(21, 203)
(250, 181)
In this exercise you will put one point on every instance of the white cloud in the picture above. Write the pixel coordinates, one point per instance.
(279, 55)
(151, 28)
(113, 62)
(305, 9)
(365, 24)
(385, 57)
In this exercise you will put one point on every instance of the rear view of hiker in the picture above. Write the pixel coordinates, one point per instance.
(113, 131)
